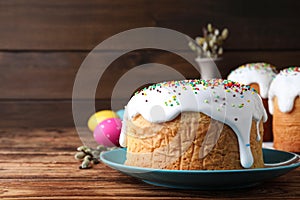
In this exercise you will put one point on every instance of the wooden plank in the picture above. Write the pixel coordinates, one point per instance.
(59, 142)
(35, 114)
(28, 74)
(52, 173)
(50, 75)
(48, 113)
(81, 25)
(66, 24)
(250, 26)
(132, 189)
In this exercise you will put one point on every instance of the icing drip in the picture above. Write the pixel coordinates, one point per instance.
(257, 131)
(223, 100)
(286, 88)
(260, 73)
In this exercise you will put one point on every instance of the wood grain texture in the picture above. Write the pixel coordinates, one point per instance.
(36, 87)
(51, 75)
(81, 25)
(40, 165)
(50, 113)
(43, 43)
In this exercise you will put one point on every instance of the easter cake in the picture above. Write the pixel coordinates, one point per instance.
(284, 104)
(194, 124)
(259, 76)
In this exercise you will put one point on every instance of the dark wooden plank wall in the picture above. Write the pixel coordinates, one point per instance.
(43, 43)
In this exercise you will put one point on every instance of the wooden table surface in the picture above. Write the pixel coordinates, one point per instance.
(40, 164)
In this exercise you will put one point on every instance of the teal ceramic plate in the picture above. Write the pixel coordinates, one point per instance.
(206, 179)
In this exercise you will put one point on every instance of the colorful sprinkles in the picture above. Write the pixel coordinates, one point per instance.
(290, 71)
(263, 68)
(194, 85)
(176, 87)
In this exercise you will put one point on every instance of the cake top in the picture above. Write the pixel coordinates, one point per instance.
(226, 101)
(291, 71)
(260, 73)
(286, 88)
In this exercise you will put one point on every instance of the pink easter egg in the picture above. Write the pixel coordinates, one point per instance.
(107, 132)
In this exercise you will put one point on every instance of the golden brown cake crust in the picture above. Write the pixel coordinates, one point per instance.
(286, 128)
(179, 144)
(268, 134)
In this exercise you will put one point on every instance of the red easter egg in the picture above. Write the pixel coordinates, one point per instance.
(107, 132)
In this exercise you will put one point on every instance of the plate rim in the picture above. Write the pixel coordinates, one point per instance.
(145, 169)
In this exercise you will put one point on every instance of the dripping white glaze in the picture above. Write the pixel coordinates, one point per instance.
(258, 137)
(260, 73)
(286, 87)
(235, 106)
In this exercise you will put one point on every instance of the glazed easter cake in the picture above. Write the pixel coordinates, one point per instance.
(259, 76)
(284, 104)
(194, 124)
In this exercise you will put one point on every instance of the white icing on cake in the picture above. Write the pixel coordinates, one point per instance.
(226, 101)
(260, 73)
(286, 87)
